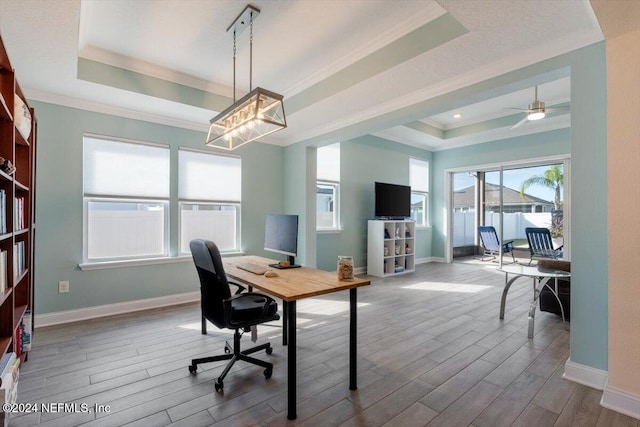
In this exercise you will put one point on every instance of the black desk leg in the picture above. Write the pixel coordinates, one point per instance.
(353, 332)
(284, 322)
(291, 359)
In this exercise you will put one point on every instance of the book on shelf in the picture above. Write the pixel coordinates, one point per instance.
(9, 379)
(18, 219)
(17, 342)
(18, 258)
(3, 212)
(3, 272)
(27, 330)
(5, 363)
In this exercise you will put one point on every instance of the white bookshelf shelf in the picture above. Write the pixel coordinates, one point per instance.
(391, 247)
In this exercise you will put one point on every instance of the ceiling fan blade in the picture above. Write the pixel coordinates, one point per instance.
(553, 109)
(516, 108)
(521, 122)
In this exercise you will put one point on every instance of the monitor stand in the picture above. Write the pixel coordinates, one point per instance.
(292, 264)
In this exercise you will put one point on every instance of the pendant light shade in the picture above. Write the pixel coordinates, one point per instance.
(260, 112)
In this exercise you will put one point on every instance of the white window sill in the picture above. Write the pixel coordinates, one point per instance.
(423, 227)
(329, 230)
(88, 266)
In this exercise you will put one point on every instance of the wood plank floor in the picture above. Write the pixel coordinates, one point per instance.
(432, 352)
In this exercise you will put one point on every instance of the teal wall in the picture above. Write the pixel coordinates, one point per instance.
(59, 207)
(589, 238)
(283, 179)
(588, 139)
(364, 161)
(539, 145)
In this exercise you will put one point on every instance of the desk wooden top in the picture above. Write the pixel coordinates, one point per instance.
(291, 284)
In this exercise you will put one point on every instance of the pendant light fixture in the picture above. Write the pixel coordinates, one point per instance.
(260, 112)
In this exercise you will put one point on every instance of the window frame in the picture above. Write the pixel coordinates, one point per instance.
(115, 198)
(425, 208)
(85, 233)
(422, 193)
(209, 202)
(336, 205)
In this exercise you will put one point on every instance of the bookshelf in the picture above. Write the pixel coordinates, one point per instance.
(17, 225)
(391, 247)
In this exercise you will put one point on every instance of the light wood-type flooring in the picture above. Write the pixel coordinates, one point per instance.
(431, 351)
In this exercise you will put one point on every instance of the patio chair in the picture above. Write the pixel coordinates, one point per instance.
(491, 243)
(540, 244)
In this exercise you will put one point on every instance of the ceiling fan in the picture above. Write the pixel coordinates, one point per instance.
(536, 111)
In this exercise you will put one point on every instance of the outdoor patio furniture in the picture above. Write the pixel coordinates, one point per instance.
(540, 244)
(491, 243)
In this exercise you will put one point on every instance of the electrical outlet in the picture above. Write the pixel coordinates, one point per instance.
(63, 286)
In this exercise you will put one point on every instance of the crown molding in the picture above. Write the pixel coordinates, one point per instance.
(96, 107)
(124, 62)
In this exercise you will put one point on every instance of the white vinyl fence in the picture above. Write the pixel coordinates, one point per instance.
(464, 227)
(125, 233)
(217, 226)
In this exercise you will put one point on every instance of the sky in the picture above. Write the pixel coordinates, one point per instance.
(512, 179)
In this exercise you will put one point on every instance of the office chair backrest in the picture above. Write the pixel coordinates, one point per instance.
(214, 287)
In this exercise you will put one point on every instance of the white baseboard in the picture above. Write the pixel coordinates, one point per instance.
(621, 401)
(429, 259)
(585, 375)
(68, 316)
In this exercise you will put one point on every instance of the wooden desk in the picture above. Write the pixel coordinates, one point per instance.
(291, 285)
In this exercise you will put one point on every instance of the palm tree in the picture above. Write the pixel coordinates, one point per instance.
(553, 178)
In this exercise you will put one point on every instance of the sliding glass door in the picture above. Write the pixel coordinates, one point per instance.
(510, 198)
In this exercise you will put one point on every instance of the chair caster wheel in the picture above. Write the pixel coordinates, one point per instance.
(192, 369)
(269, 350)
(268, 372)
(219, 385)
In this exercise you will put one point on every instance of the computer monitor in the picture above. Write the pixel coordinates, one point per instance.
(281, 236)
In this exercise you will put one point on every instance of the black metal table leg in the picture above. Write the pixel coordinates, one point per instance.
(353, 331)
(284, 322)
(290, 307)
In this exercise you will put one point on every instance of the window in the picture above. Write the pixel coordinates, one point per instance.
(328, 188)
(419, 181)
(126, 199)
(209, 192)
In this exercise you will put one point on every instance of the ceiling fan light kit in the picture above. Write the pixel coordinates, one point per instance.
(537, 111)
(259, 113)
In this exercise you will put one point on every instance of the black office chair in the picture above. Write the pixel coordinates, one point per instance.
(238, 312)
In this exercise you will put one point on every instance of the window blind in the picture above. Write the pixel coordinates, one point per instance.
(419, 175)
(209, 177)
(117, 168)
(328, 161)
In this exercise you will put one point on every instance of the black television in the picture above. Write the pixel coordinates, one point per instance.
(392, 201)
(281, 236)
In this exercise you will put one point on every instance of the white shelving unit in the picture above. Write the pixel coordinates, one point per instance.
(391, 247)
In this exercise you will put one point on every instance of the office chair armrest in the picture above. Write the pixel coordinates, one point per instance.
(240, 287)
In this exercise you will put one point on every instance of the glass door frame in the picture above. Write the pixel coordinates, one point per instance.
(565, 159)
